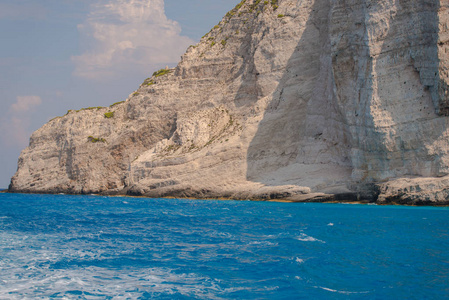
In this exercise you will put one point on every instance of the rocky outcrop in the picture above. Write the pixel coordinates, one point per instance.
(299, 100)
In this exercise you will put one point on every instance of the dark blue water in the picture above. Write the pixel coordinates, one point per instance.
(87, 247)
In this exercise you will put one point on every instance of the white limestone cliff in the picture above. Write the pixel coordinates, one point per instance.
(304, 100)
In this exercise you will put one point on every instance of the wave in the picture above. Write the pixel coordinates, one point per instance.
(306, 238)
(340, 292)
(100, 283)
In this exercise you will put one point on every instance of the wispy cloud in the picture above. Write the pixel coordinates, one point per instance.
(124, 35)
(15, 126)
(25, 103)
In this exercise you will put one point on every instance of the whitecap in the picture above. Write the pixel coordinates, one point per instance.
(330, 224)
(264, 243)
(340, 292)
(300, 260)
(100, 283)
(305, 238)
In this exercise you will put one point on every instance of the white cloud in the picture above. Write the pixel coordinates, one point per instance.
(128, 35)
(25, 103)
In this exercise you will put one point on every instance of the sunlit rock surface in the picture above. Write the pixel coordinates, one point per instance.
(304, 100)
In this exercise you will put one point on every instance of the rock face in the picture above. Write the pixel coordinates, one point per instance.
(291, 99)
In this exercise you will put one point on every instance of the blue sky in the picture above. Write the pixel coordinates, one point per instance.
(58, 55)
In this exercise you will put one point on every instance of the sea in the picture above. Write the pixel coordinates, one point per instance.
(95, 247)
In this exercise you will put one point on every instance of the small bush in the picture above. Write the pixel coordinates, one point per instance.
(161, 72)
(95, 140)
(256, 4)
(109, 114)
(281, 16)
(91, 108)
(116, 103)
(223, 42)
(212, 44)
(135, 93)
(238, 6)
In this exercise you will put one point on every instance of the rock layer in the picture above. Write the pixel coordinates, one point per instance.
(299, 100)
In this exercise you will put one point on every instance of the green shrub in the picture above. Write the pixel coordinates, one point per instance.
(216, 27)
(109, 114)
(135, 93)
(161, 72)
(256, 3)
(116, 103)
(281, 16)
(229, 14)
(95, 140)
(212, 44)
(223, 42)
(91, 108)
(238, 6)
(148, 81)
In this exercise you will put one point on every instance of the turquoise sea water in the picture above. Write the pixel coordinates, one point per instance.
(90, 247)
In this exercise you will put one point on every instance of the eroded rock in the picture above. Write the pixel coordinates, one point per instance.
(278, 101)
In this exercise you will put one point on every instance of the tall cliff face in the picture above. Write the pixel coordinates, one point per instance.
(293, 99)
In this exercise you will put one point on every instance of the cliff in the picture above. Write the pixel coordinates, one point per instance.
(304, 100)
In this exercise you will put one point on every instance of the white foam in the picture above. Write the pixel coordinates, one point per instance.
(264, 243)
(30, 272)
(305, 238)
(300, 260)
(340, 292)
(99, 283)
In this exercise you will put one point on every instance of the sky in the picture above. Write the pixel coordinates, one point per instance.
(57, 55)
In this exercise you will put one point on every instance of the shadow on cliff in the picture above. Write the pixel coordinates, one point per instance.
(303, 129)
(406, 90)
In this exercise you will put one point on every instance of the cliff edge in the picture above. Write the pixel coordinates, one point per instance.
(307, 100)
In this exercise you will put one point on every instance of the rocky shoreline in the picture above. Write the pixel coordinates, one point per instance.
(397, 198)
